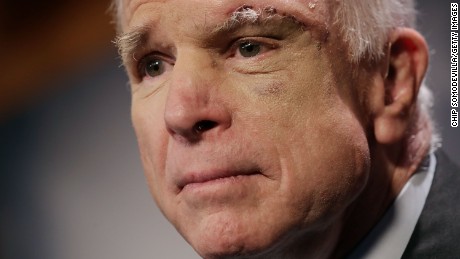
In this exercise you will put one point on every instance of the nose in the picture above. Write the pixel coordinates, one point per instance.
(194, 107)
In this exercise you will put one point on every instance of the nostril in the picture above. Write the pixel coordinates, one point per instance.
(204, 125)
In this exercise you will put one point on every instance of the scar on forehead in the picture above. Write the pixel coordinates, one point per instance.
(246, 14)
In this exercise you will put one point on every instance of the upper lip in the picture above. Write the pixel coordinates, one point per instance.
(209, 175)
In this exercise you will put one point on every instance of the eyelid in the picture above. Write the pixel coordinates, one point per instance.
(267, 43)
(142, 62)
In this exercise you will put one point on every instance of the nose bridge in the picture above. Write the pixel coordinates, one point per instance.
(191, 105)
(189, 83)
(191, 72)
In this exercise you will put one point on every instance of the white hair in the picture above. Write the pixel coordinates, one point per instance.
(116, 8)
(365, 26)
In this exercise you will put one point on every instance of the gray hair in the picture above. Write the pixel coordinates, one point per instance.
(365, 26)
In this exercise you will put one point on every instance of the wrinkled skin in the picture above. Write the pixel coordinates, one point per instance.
(288, 124)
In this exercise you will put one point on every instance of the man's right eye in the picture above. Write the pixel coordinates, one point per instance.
(152, 66)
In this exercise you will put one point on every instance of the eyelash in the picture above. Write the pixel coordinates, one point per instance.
(262, 41)
(142, 63)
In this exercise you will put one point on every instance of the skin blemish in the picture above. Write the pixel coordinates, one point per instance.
(213, 63)
(318, 45)
(272, 88)
(270, 10)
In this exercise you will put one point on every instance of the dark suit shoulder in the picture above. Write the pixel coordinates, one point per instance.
(437, 233)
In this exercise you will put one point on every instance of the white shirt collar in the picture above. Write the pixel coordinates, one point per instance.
(389, 238)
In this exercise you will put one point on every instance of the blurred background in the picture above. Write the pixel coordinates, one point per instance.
(71, 182)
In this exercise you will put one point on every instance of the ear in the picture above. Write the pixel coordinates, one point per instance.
(394, 95)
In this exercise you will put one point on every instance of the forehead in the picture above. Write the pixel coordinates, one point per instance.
(215, 10)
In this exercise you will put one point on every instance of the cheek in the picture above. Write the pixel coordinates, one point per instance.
(321, 149)
(152, 141)
(331, 162)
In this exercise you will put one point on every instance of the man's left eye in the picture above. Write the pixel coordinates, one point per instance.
(249, 49)
(154, 67)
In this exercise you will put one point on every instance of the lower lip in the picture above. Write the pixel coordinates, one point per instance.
(222, 186)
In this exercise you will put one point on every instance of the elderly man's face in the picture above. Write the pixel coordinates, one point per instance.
(249, 132)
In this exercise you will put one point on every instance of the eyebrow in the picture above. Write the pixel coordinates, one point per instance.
(129, 43)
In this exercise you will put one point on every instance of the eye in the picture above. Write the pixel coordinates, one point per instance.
(153, 67)
(249, 49)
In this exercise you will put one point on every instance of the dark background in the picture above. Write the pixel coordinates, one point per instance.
(71, 183)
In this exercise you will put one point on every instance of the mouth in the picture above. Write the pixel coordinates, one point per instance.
(196, 179)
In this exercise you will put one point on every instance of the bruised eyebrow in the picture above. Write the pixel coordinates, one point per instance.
(130, 42)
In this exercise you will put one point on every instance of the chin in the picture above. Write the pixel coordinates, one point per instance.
(229, 234)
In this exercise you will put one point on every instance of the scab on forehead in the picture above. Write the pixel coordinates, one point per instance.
(249, 14)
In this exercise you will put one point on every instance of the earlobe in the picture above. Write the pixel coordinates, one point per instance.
(407, 61)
